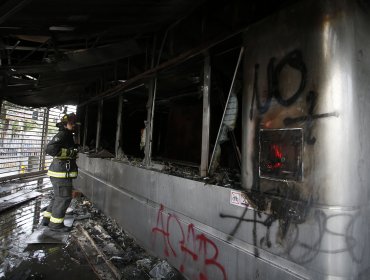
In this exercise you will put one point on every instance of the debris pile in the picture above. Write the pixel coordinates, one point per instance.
(97, 248)
(225, 177)
(115, 247)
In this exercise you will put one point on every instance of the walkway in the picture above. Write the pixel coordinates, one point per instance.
(95, 249)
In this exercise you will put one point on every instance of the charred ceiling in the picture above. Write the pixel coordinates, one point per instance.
(73, 52)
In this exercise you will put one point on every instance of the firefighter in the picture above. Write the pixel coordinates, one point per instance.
(61, 171)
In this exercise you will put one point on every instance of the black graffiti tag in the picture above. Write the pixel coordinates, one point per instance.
(294, 60)
(311, 100)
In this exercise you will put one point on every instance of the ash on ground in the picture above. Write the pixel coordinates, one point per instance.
(132, 261)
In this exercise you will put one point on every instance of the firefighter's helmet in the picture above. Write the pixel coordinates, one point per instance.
(69, 118)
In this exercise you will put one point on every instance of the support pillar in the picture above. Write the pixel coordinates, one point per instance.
(150, 120)
(206, 116)
(86, 125)
(45, 128)
(119, 125)
(99, 124)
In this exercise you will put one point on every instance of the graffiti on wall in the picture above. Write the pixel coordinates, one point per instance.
(294, 60)
(302, 247)
(287, 209)
(182, 242)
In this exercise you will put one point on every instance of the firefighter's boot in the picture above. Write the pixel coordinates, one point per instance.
(59, 227)
(45, 221)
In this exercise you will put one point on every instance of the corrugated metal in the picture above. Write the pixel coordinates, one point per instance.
(22, 137)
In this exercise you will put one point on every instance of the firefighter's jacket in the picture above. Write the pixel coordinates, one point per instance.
(62, 149)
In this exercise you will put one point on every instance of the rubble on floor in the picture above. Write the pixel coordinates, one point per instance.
(121, 250)
(106, 246)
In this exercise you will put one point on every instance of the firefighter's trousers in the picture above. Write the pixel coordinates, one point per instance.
(59, 203)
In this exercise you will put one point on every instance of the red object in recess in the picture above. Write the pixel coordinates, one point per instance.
(280, 154)
(277, 157)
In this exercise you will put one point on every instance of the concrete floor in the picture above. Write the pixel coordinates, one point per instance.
(71, 260)
(19, 260)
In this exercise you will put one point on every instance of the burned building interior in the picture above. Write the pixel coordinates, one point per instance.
(94, 55)
(229, 138)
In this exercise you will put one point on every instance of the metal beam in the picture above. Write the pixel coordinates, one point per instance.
(99, 124)
(45, 128)
(227, 102)
(206, 117)
(86, 123)
(24, 48)
(10, 8)
(150, 121)
(96, 56)
(31, 53)
(119, 124)
(150, 112)
(165, 65)
(29, 69)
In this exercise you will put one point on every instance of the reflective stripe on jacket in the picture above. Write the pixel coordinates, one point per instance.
(54, 174)
(62, 148)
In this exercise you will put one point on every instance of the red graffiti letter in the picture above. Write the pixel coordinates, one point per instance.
(160, 228)
(203, 248)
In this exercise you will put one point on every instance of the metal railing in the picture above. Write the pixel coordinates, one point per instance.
(24, 133)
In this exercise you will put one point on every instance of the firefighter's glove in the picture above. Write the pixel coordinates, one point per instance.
(70, 153)
(73, 153)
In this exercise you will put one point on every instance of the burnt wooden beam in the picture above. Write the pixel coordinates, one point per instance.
(95, 256)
